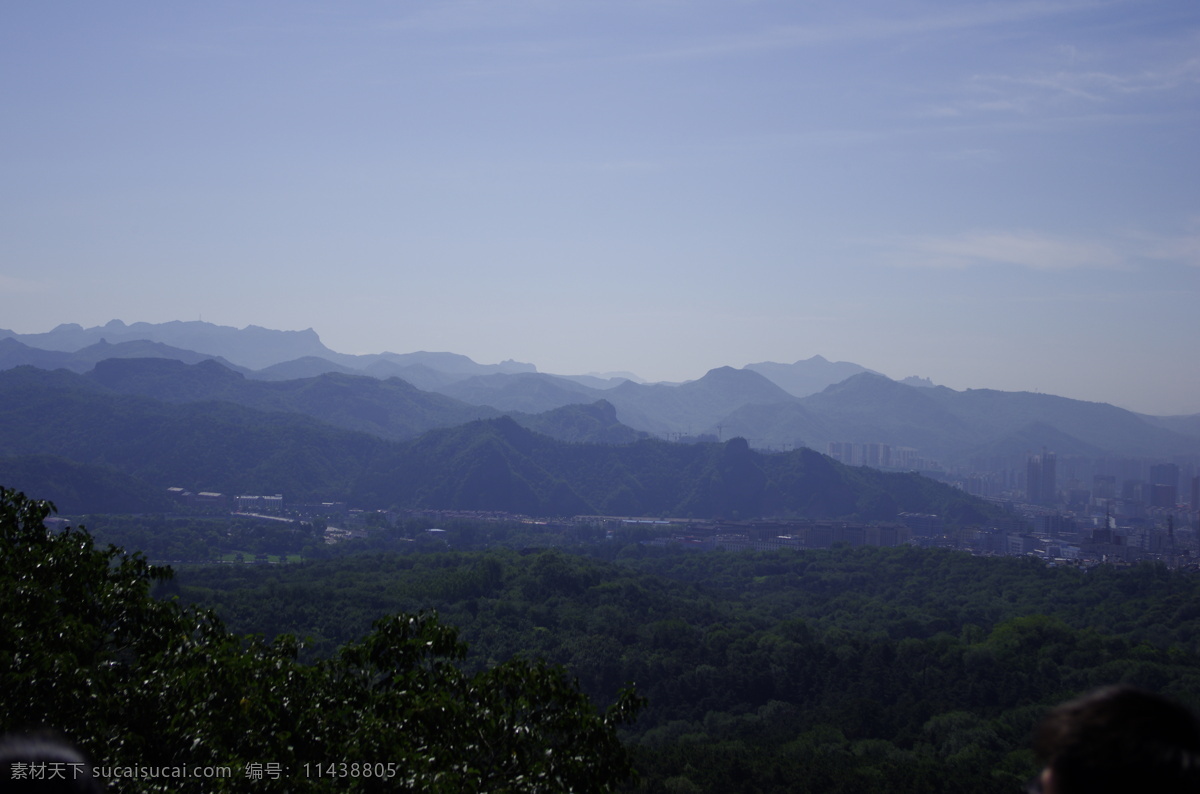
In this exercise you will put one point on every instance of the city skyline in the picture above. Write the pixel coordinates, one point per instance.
(999, 196)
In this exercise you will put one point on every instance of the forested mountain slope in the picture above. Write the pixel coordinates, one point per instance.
(499, 463)
(484, 465)
(890, 670)
(203, 446)
(390, 408)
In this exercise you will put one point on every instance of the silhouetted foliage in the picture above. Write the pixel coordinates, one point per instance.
(140, 682)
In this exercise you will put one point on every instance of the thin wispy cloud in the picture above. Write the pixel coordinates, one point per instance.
(1021, 248)
(865, 27)
(1181, 248)
(1129, 250)
(1028, 92)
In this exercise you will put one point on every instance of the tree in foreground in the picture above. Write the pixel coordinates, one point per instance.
(148, 687)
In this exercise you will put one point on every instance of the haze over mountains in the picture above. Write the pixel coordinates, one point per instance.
(85, 444)
(774, 406)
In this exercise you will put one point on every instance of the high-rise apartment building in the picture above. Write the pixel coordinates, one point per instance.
(1041, 484)
(1104, 486)
(1165, 474)
(1162, 495)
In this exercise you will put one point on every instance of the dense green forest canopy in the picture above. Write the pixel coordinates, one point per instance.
(139, 682)
(848, 669)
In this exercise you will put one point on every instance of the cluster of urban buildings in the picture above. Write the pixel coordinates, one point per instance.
(881, 456)
(1098, 509)
(1152, 485)
(1133, 509)
(1054, 538)
(1069, 506)
(257, 504)
(1127, 486)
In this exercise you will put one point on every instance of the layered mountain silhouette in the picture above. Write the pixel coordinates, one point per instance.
(809, 376)
(121, 448)
(14, 353)
(391, 409)
(811, 402)
(251, 347)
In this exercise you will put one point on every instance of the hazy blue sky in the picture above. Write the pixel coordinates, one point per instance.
(994, 195)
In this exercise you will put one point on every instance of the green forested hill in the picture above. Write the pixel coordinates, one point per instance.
(490, 464)
(391, 409)
(892, 670)
(497, 464)
(202, 446)
(82, 487)
(594, 423)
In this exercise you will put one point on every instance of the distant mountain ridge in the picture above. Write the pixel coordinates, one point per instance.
(391, 409)
(812, 402)
(251, 347)
(284, 355)
(14, 353)
(809, 376)
(61, 424)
